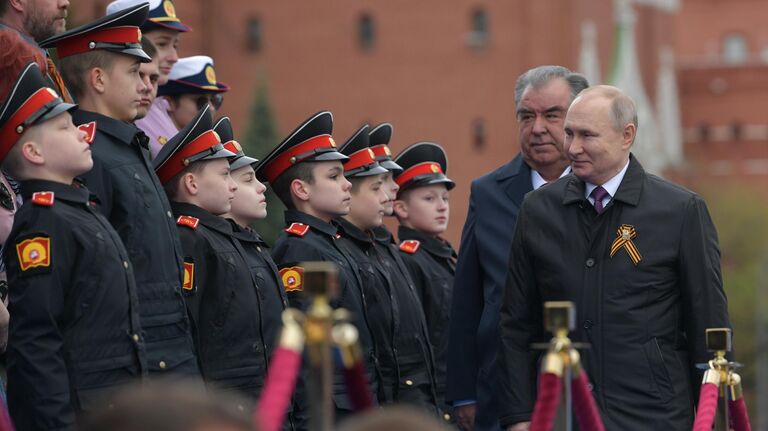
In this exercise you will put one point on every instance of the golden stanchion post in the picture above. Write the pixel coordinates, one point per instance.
(560, 320)
(719, 341)
(320, 284)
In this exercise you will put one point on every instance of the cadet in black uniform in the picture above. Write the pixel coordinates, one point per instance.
(307, 174)
(75, 335)
(248, 206)
(394, 313)
(100, 62)
(422, 210)
(221, 292)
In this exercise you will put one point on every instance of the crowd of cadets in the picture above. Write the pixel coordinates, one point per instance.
(132, 256)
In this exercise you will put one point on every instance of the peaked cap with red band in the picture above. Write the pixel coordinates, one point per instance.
(310, 142)
(424, 164)
(118, 32)
(224, 128)
(192, 75)
(362, 162)
(379, 138)
(162, 14)
(30, 101)
(195, 142)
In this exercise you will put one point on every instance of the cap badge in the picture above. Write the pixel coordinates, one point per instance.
(170, 10)
(435, 168)
(210, 74)
(387, 151)
(333, 143)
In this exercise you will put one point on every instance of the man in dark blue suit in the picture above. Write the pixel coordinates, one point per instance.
(542, 97)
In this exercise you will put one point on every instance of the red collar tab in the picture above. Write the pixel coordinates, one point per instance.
(297, 154)
(90, 131)
(44, 199)
(14, 127)
(188, 221)
(410, 246)
(179, 160)
(360, 158)
(381, 152)
(424, 168)
(89, 41)
(298, 229)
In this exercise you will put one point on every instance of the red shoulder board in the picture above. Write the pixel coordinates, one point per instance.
(298, 229)
(44, 199)
(90, 131)
(410, 246)
(188, 221)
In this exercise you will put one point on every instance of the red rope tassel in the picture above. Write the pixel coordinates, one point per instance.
(705, 414)
(356, 380)
(545, 410)
(739, 415)
(278, 389)
(584, 405)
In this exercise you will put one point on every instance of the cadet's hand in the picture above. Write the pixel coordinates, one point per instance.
(465, 416)
(522, 426)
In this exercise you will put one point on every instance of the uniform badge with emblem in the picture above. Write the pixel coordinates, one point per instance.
(410, 246)
(90, 131)
(44, 199)
(189, 277)
(188, 221)
(293, 278)
(34, 254)
(298, 229)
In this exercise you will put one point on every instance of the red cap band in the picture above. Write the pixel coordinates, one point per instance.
(358, 159)
(424, 168)
(81, 43)
(295, 155)
(13, 128)
(381, 151)
(233, 147)
(178, 161)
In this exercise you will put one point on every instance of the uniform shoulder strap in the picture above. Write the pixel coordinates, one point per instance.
(298, 229)
(188, 221)
(410, 246)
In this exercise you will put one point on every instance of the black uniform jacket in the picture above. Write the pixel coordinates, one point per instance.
(75, 335)
(224, 299)
(643, 319)
(432, 267)
(320, 243)
(134, 202)
(416, 382)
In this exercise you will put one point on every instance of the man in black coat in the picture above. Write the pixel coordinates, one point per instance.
(542, 97)
(639, 258)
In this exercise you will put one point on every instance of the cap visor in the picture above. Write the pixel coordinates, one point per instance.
(330, 155)
(390, 165)
(56, 110)
(376, 170)
(221, 154)
(136, 52)
(242, 162)
(150, 25)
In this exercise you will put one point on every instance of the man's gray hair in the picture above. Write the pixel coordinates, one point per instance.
(540, 76)
(623, 110)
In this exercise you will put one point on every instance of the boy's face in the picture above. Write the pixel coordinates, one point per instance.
(185, 107)
(123, 88)
(166, 42)
(149, 74)
(329, 193)
(368, 203)
(250, 203)
(391, 188)
(425, 209)
(215, 187)
(64, 148)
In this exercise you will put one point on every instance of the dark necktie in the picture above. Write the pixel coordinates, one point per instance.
(598, 194)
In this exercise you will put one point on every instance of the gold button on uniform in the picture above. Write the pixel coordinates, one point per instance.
(125, 264)
(447, 417)
(162, 365)
(409, 382)
(136, 337)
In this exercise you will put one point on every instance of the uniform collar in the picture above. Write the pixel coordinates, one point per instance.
(246, 234)
(209, 220)
(628, 191)
(382, 235)
(120, 130)
(350, 230)
(295, 216)
(60, 191)
(430, 243)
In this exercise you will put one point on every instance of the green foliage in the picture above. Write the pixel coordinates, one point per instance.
(261, 138)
